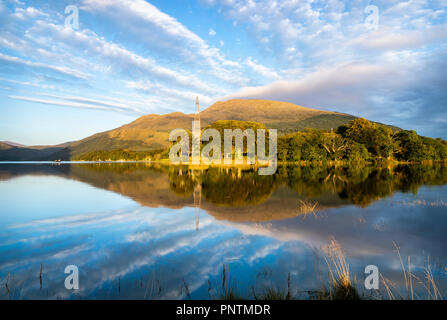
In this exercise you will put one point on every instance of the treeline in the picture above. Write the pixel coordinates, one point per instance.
(221, 125)
(361, 185)
(360, 140)
(117, 155)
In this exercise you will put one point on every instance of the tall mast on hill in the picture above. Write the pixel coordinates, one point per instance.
(196, 160)
(196, 135)
(197, 110)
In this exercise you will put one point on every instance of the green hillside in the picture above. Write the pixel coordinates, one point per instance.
(14, 153)
(321, 122)
(151, 132)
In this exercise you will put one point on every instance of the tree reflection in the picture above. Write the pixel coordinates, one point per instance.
(173, 186)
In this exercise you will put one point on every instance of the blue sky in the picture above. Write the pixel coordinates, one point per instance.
(133, 57)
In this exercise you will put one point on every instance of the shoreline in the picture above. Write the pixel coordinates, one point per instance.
(379, 162)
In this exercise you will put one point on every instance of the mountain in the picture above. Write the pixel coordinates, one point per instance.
(151, 132)
(13, 144)
(10, 152)
(284, 116)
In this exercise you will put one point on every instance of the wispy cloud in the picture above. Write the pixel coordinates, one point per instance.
(153, 88)
(84, 104)
(38, 65)
(28, 83)
(262, 70)
(313, 53)
(390, 92)
(119, 57)
(163, 32)
(99, 102)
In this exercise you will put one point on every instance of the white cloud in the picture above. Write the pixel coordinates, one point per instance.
(402, 89)
(325, 55)
(17, 2)
(386, 40)
(69, 51)
(113, 105)
(179, 95)
(326, 31)
(59, 69)
(161, 31)
(262, 70)
(28, 83)
(120, 57)
(98, 103)
(345, 88)
(27, 13)
(59, 103)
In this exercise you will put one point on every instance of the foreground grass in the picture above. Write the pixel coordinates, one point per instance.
(340, 284)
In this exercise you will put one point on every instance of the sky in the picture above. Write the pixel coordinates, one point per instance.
(61, 81)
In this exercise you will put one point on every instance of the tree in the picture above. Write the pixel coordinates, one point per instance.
(410, 146)
(377, 139)
(334, 144)
(383, 142)
(295, 147)
(356, 152)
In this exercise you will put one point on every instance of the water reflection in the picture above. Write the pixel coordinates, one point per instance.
(184, 223)
(173, 187)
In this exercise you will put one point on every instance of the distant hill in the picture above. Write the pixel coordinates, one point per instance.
(262, 111)
(13, 153)
(12, 144)
(284, 116)
(151, 132)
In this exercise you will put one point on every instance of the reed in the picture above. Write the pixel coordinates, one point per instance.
(40, 276)
(307, 208)
(341, 286)
(226, 290)
(7, 284)
(273, 292)
(428, 283)
(154, 288)
(188, 294)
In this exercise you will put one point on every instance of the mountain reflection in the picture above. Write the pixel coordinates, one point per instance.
(187, 222)
(238, 194)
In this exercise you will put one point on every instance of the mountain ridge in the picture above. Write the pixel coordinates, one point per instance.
(151, 132)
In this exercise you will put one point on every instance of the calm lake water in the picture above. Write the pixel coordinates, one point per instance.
(141, 231)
